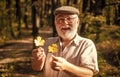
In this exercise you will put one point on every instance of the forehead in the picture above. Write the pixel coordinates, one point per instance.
(65, 15)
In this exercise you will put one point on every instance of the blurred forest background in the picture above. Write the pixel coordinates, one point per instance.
(21, 21)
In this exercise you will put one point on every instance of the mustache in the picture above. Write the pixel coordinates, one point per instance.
(65, 28)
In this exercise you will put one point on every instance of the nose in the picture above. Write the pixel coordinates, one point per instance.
(65, 21)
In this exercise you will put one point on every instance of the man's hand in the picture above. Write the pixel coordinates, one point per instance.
(38, 59)
(58, 63)
(38, 54)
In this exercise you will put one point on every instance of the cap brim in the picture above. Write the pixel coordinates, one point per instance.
(64, 12)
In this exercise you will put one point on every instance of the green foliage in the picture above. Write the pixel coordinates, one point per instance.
(87, 18)
(9, 69)
(4, 22)
(93, 26)
(111, 11)
(99, 34)
(108, 48)
(107, 33)
(114, 53)
(108, 58)
(117, 33)
(94, 20)
(98, 21)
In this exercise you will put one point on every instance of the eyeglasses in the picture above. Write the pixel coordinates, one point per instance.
(60, 20)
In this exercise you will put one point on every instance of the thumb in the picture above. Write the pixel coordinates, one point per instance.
(54, 58)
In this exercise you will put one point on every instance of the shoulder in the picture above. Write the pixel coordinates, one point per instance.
(84, 40)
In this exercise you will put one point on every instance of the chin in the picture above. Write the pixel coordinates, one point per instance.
(67, 35)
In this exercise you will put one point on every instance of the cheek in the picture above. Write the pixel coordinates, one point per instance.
(57, 25)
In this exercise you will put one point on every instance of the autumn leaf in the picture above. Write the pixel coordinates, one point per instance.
(39, 41)
(53, 48)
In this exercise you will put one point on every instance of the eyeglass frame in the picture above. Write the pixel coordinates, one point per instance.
(63, 19)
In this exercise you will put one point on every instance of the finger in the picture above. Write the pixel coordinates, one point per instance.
(40, 49)
(53, 66)
(55, 63)
(57, 68)
(34, 51)
(59, 59)
(37, 52)
(40, 57)
(58, 64)
(54, 58)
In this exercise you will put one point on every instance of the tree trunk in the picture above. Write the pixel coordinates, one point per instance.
(25, 16)
(75, 1)
(8, 3)
(85, 6)
(53, 25)
(68, 2)
(18, 15)
(41, 13)
(34, 27)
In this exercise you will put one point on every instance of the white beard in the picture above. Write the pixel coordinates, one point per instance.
(67, 35)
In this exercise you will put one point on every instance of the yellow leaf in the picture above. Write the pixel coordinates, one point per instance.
(53, 48)
(39, 41)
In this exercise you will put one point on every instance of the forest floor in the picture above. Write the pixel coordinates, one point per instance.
(15, 55)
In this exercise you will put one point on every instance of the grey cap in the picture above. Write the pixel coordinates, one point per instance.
(66, 9)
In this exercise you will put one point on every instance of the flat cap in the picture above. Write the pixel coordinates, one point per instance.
(66, 9)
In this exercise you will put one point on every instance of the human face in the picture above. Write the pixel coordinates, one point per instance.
(66, 25)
